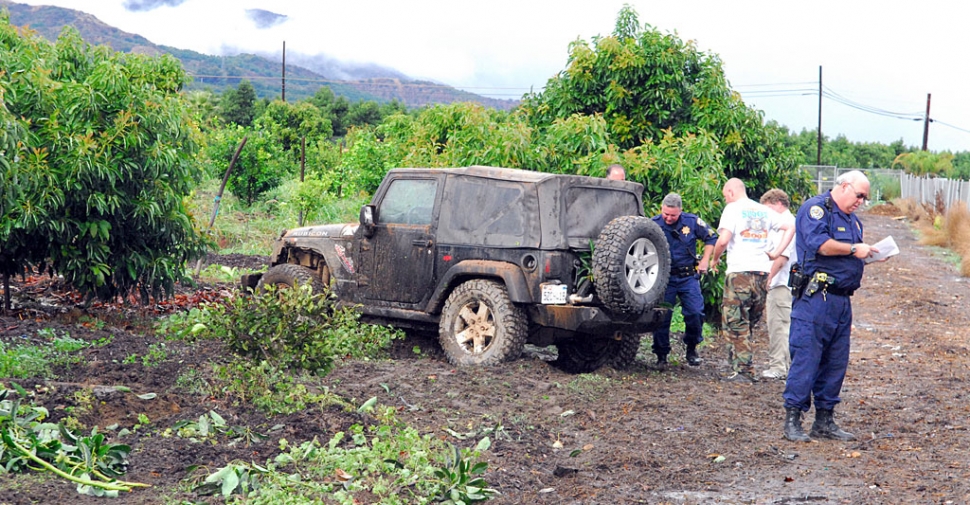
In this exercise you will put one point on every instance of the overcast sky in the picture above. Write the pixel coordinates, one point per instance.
(881, 56)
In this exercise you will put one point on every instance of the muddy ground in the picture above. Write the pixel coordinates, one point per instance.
(642, 435)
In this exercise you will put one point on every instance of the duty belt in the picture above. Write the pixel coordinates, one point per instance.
(683, 271)
(832, 290)
(824, 282)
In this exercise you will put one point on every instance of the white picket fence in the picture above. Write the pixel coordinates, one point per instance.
(926, 189)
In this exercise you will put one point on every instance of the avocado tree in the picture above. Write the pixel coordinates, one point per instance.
(649, 86)
(104, 167)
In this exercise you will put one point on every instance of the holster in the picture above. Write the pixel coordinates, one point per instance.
(797, 279)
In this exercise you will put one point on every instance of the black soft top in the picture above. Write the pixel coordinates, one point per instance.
(508, 207)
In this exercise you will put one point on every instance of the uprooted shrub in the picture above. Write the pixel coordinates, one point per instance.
(291, 328)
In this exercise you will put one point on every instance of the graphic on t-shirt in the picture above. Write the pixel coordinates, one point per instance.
(756, 229)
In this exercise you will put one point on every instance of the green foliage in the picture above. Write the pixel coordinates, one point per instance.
(884, 187)
(961, 165)
(461, 480)
(252, 230)
(203, 107)
(105, 164)
(209, 426)
(333, 107)
(31, 444)
(157, 353)
(238, 106)
(385, 462)
(261, 166)
(268, 387)
(841, 151)
(23, 361)
(289, 328)
(235, 478)
(366, 162)
(650, 86)
(925, 163)
(677, 325)
(293, 328)
(288, 124)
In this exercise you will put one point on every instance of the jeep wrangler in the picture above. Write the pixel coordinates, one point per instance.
(491, 259)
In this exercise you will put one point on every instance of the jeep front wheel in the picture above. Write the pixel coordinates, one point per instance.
(288, 275)
(631, 264)
(480, 325)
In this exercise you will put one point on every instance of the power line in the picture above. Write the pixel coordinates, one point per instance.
(802, 83)
(949, 125)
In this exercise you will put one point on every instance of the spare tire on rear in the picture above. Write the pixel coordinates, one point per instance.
(631, 264)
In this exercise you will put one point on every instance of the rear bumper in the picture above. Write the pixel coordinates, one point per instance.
(595, 320)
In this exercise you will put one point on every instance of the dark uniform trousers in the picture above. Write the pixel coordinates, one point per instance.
(820, 327)
(688, 288)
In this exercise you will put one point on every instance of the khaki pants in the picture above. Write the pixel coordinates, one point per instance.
(778, 308)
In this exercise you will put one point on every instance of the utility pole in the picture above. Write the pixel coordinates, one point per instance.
(926, 123)
(284, 71)
(818, 152)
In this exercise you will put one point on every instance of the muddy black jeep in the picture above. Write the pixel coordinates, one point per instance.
(492, 258)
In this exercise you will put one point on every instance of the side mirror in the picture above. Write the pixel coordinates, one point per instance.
(367, 220)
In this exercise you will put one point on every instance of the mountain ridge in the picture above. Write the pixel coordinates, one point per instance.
(217, 73)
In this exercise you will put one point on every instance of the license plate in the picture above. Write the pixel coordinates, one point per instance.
(553, 293)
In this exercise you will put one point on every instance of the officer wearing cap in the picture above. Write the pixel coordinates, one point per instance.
(831, 257)
(683, 230)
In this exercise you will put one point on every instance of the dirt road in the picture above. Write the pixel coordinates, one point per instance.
(632, 436)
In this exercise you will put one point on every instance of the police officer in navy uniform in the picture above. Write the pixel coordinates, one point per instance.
(683, 230)
(831, 257)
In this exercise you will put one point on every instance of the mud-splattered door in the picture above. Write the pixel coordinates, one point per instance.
(399, 258)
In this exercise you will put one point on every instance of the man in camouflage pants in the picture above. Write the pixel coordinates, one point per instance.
(744, 233)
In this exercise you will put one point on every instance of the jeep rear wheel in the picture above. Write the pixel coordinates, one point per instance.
(480, 325)
(626, 351)
(631, 264)
(585, 353)
(288, 275)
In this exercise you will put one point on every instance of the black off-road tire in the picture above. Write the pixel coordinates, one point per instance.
(585, 354)
(290, 275)
(626, 351)
(481, 326)
(631, 265)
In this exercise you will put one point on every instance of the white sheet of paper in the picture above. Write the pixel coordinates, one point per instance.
(887, 247)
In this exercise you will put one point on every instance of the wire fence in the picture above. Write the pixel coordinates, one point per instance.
(884, 183)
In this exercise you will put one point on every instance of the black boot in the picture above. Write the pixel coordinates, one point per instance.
(825, 427)
(793, 425)
(692, 358)
(661, 361)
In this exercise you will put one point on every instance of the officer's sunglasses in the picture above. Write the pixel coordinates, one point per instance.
(859, 196)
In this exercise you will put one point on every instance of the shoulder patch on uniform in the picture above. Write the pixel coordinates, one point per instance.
(701, 223)
(816, 212)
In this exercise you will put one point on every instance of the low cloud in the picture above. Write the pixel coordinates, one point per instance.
(265, 19)
(147, 5)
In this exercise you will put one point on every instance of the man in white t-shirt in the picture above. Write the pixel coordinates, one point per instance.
(778, 301)
(743, 232)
